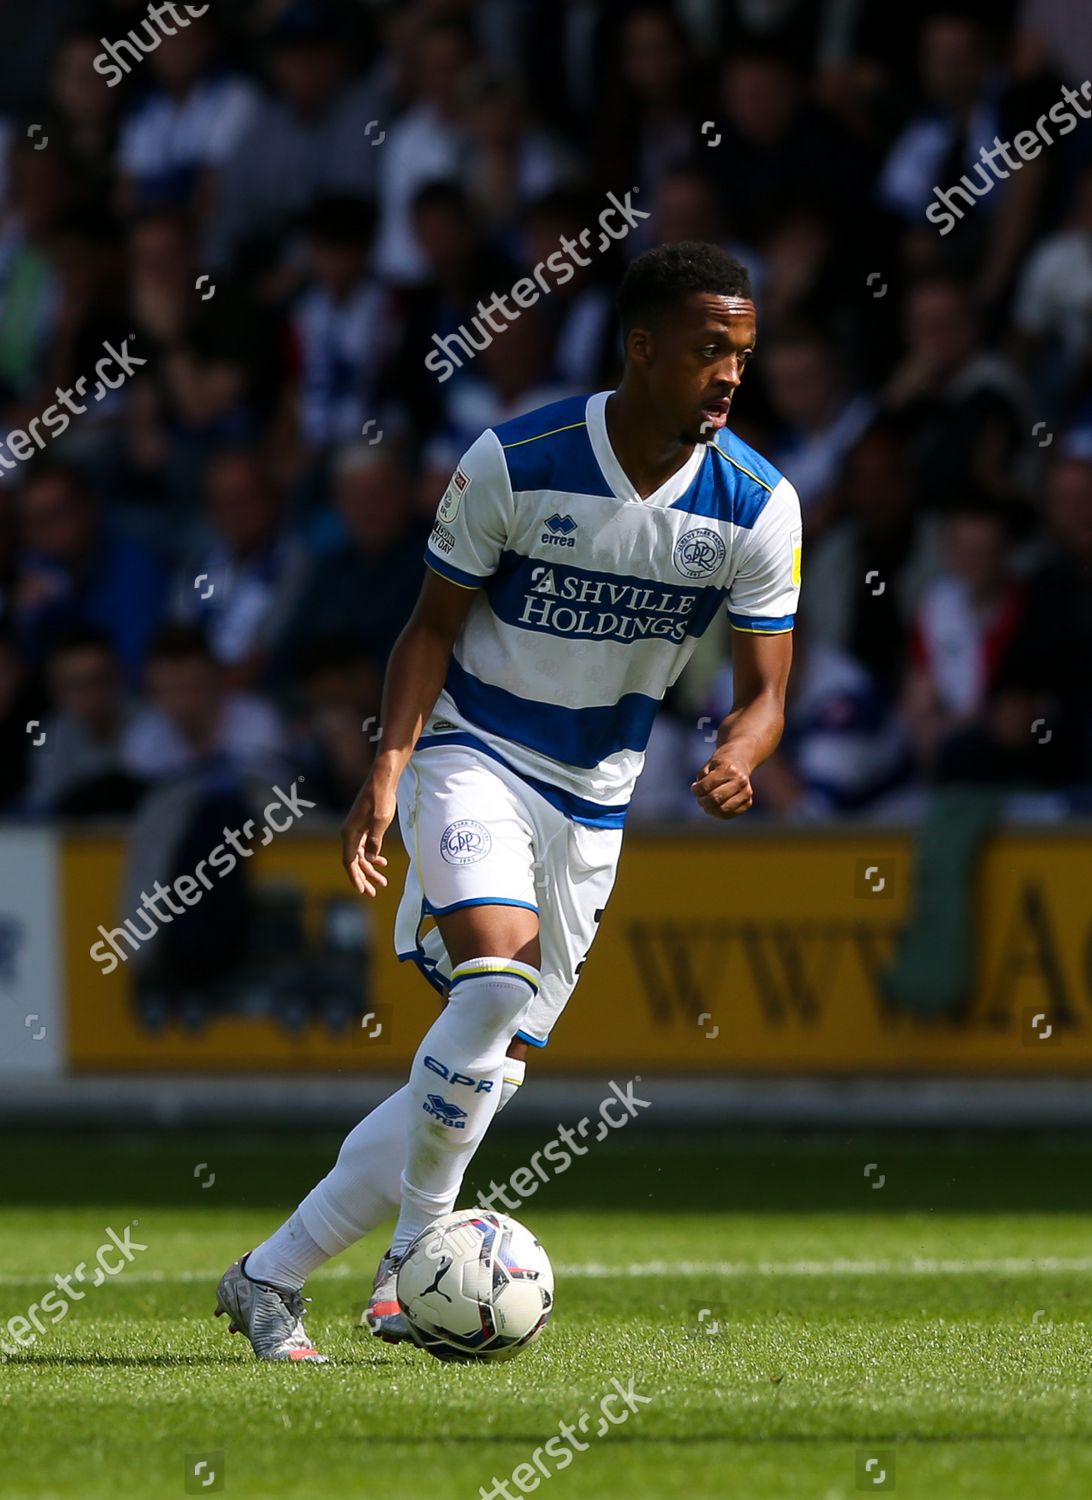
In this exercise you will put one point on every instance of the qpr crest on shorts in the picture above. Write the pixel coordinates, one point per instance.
(699, 552)
(465, 842)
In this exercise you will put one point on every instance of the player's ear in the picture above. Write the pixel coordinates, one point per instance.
(640, 346)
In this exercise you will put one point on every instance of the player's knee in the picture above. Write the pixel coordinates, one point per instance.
(496, 992)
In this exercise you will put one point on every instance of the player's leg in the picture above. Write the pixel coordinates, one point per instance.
(364, 1186)
(456, 1079)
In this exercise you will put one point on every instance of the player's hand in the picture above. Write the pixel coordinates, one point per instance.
(371, 814)
(723, 785)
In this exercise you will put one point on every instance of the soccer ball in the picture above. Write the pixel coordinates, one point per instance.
(475, 1285)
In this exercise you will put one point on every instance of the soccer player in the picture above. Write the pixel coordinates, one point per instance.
(577, 555)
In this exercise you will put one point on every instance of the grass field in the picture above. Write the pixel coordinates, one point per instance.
(788, 1319)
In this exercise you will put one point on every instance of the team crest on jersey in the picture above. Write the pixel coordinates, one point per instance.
(465, 842)
(699, 552)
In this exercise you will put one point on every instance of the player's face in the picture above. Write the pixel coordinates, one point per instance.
(699, 357)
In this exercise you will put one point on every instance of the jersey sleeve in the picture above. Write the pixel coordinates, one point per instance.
(764, 593)
(474, 517)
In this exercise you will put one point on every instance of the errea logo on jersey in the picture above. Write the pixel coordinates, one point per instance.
(699, 552)
(559, 531)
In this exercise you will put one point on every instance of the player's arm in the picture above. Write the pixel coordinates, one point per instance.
(472, 526)
(751, 732)
(415, 675)
(762, 604)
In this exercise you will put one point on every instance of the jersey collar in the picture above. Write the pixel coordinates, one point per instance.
(620, 484)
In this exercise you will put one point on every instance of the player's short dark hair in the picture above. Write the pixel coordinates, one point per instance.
(660, 280)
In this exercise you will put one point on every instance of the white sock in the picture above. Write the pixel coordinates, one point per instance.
(287, 1257)
(515, 1070)
(363, 1187)
(461, 1065)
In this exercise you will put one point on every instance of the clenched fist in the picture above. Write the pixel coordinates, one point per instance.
(723, 785)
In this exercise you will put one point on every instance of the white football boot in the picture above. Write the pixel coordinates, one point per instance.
(270, 1316)
(383, 1315)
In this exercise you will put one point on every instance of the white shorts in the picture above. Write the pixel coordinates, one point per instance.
(478, 835)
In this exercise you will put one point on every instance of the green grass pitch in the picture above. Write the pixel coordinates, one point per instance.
(789, 1320)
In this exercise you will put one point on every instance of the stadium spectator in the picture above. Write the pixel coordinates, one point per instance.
(195, 723)
(844, 750)
(1053, 306)
(959, 113)
(510, 158)
(687, 206)
(964, 405)
(512, 375)
(936, 166)
(180, 135)
(866, 573)
(428, 142)
(22, 711)
(214, 361)
(367, 587)
(1054, 36)
(9, 552)
(83, 115)
(309, 136)
(339, 687)
(343, 328)
(462, 271)
(89, 266)
(82, 774)
(773, 146)
(1043, 719)
(79, 569)
(565, 51)
(41, 191)
(819, 418)
(650, 122)
(243, 584)
(963, 626)
(580, 308)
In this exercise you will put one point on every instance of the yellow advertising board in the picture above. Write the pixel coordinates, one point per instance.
(742, 953)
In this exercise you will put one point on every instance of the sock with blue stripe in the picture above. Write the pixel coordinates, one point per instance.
(455, 1085)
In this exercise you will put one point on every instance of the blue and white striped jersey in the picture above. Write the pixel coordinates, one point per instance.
(591, 599)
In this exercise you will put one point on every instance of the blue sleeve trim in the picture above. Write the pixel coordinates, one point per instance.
(761, 626)
(451, 572)
(532, 1041)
